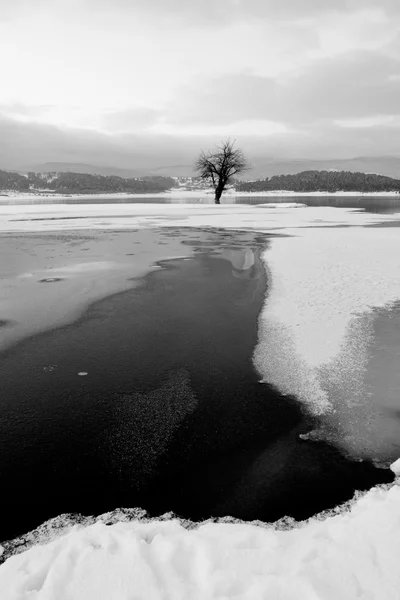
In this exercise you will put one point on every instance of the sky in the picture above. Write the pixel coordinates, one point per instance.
(123, 82)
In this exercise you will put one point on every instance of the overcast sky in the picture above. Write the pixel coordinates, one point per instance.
(111, 81)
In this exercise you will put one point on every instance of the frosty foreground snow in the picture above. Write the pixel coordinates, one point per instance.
(349, 555)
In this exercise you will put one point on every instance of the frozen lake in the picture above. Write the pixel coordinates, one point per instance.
(216, 361)
(150, 398)
(201, 383)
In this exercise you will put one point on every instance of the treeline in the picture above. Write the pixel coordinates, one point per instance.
(13, 181)
(322, 181)
(82, 183)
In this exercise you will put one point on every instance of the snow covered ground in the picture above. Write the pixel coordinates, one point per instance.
(265, 217)
(329, 269)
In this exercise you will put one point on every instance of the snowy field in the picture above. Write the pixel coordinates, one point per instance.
(329, 269)
(266, 217)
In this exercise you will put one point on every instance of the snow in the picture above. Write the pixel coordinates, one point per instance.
(283, 205)
(347, 554)
(13, 196)
(60, 217)
(395, 467)
(316, 328)
(322, 279)
(328, 271)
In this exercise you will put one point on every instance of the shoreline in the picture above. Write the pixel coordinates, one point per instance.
(9, 197)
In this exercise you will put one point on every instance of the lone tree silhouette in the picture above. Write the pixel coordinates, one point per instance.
(220, 166)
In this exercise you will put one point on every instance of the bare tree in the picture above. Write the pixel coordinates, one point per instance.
(220, 166)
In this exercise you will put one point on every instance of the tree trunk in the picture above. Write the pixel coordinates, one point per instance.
(218, 194)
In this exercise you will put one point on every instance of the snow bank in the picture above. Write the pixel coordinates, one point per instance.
(349, 554)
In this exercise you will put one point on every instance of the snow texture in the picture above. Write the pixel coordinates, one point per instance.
(316, 327)
(271, 217)
(349, 554)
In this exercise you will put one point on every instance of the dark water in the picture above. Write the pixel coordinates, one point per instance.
(373, 204)
(170, 416)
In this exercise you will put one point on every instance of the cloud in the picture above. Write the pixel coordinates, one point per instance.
(360, 84)
(12, 9)
(223, 100)
(130, 119)
(18, 110)
(23, 141)
(24, 144)
(217, 13)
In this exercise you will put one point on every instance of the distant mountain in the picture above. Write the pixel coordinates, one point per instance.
(323, 181)
(261, 167)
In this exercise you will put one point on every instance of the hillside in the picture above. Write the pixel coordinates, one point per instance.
(82, 183)
(87, 183)
(262, 166)
(322, 181)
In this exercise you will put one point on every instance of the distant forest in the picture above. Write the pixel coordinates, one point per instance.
(322, 181)
(82, 183)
